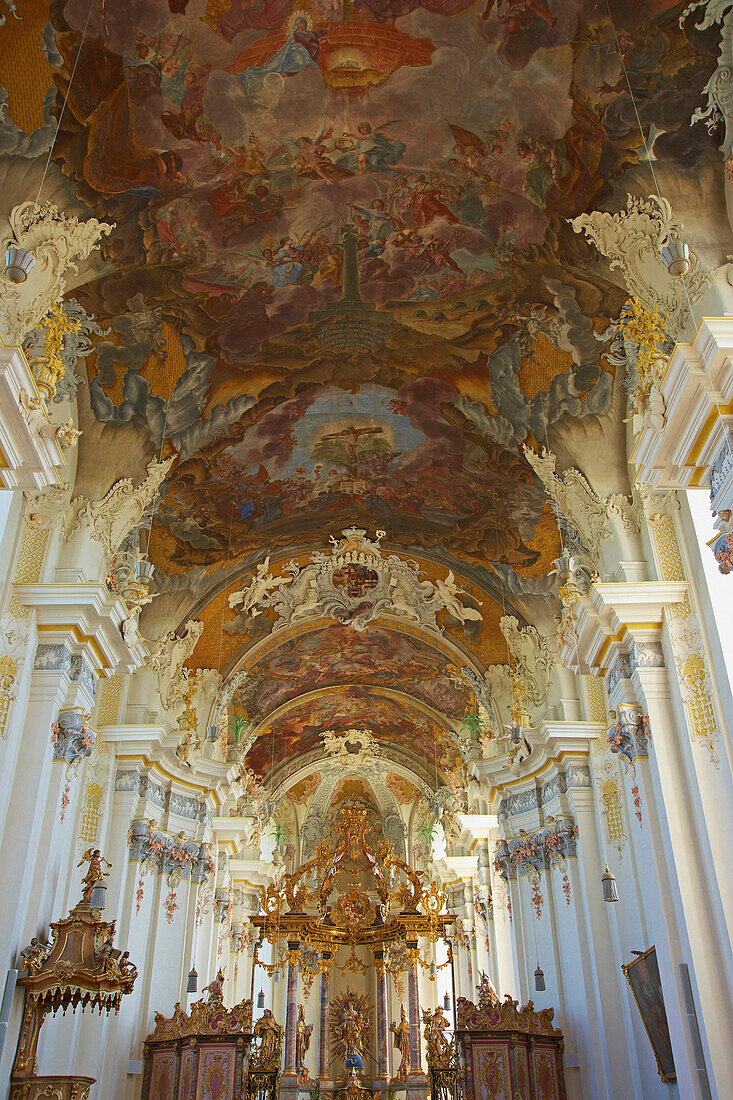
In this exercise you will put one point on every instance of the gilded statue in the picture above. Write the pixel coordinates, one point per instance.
(302, 1042)
(95, 873)
(401, 1033)
(35, 955)
(350, 1023)
(439, 1050)
(269, 1033)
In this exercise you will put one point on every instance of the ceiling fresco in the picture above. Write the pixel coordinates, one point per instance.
(231, 142)
(336, 655)
(403, 729)
(342, 290)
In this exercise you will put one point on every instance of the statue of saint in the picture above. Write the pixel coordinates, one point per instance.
(35, 955)
(438, 1046)
(269, 1032)
(487, 994)
(402, 1043)
(302, 1042)
(215, 988)
(350, 1029)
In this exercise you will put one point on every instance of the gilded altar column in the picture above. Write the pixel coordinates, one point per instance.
(413, 1007)
(324, 1049)
(292, 1008)
(382, 1067)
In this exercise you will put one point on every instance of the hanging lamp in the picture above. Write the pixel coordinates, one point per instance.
(261, 999)
(539, 979)
(193, 980)
(676, 256)
(610, 890)
(19, 262)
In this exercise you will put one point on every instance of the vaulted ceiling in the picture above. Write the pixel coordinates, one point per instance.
(230, 143)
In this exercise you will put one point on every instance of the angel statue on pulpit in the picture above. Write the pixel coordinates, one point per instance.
(95, 873)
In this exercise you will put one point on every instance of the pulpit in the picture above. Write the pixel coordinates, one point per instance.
(200, 1056)
(509, 1053)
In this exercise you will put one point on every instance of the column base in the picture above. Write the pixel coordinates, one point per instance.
(416, 1085)
(381, 1083)
(288, 1086)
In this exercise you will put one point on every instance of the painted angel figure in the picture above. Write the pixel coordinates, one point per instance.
(95, 873)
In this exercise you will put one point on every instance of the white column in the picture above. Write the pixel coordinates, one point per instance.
(711, 967)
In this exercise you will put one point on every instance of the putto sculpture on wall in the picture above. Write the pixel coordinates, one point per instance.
(354, 584)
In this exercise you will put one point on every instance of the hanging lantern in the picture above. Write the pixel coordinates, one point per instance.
(98, 899)
(261, 999)
(676, 257)
(193, 980)
(610, 890)
(433, 970)
(539, 979)
(19, 262)
(446, 1003)
(276, 976)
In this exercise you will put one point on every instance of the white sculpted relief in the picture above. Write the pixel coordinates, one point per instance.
(57, 243)
(351, 748)
(354, 584)
(632, 240)
(574, 497)
(167, 657)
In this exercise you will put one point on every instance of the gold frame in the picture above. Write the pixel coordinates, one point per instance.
(667, 1078)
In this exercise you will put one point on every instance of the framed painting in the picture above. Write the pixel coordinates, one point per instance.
(642, 974)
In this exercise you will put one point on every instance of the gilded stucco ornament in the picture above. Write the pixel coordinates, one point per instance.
(58, 243)
(354, 584)
(632, 240)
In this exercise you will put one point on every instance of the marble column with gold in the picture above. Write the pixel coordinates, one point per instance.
(291, 1017)
(324, 1046)
(416, 1075)
(382, 1024)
